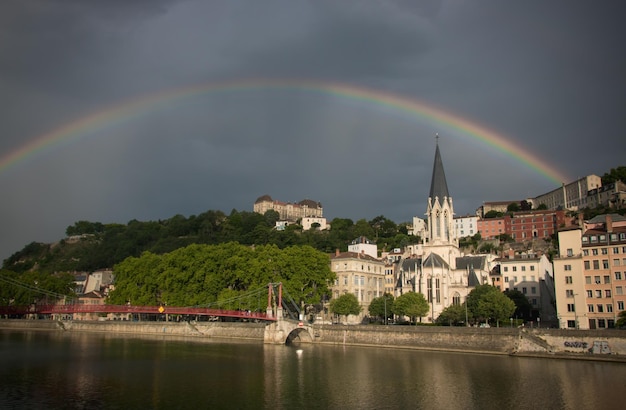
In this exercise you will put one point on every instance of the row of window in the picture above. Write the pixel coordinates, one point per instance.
(598, 293)
(356, 267)
(603, 251)
(606, 279)
(600, 308)
(360, 280)
(514, 268)
(602, 323)
(532, 279)
(602, 238)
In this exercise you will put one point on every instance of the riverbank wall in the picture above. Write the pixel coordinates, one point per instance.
(575, 344)
(583, 344)
(197, 330)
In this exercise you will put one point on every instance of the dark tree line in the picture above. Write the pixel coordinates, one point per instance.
(91, 246)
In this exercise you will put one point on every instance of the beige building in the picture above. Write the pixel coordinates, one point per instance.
(309, 221)
(360, 274)
(590, 273)
(533, 276)
(571, 196)
(289, 211)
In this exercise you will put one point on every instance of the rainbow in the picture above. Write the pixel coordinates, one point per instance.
(376, 98)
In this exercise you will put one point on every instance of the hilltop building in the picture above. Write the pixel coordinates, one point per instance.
(289, 211)
(572, 196)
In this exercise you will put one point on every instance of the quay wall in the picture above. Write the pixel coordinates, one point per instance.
(584, 344)
(227, 330)
(607, 344)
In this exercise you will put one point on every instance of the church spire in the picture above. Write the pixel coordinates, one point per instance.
(438, 184)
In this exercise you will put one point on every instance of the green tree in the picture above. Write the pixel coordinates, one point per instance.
(523, 308)
(542, 207)
(411, 304)
(621, 320)
(346, 304)
(381, 306)
(513, 207)
(487, 303)
(493, 214)
(453, 315)
(616, 174)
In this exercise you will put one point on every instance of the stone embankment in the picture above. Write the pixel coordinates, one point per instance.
(581, 344)
(558, 343)
(198, 330)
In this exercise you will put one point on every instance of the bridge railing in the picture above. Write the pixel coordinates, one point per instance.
(170, 310)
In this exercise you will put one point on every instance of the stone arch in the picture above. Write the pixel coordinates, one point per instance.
(299, 335)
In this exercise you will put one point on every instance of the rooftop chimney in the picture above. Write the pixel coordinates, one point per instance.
(609, 223)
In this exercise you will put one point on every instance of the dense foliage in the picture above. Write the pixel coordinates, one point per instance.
(346, 304)
(411, 304)
(454, 315)
(381, 306)
(487, 304)
(202, 275)
(91, 246)
(34, 287)
(616, 174)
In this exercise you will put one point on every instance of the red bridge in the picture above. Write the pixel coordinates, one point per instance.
(156, 310)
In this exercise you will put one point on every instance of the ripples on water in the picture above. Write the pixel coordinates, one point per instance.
(50, 370)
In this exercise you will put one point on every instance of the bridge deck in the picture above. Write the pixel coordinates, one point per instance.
(122, 309)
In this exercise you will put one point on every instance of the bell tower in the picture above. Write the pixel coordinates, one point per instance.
(440, 212)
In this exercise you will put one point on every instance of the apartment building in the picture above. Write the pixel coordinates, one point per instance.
(590, 273)
(466, 226)
(533, 276)
(492, 228)
(523, 226)
(360, 274)
(531, 225)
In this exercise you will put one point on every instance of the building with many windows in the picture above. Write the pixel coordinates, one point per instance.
(289, 211)
(590, 273)
(533, 276)
(571, 196)
(360, 274)
(466, 225)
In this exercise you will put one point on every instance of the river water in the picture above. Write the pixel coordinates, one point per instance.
(53, 370)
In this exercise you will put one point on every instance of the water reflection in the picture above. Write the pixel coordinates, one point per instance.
(60, 370)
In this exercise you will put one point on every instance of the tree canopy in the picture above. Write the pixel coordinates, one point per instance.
(453, 315)
(346, 304)
(381, 306)
(523, 308)
(411, 304)
(34, 287)
(199, 275)
(486, 303)
(91, 246)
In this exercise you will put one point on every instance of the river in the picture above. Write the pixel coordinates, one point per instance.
(55, 370)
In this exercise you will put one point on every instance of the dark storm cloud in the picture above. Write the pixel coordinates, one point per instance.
(548, 75)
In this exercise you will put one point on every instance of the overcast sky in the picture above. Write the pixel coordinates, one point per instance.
(549, 76)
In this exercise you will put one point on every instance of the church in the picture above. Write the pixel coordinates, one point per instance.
(436, 268)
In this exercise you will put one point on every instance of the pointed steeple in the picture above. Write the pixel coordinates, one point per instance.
(438, 184)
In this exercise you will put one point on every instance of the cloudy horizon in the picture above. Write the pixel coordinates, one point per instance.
(546, 78)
